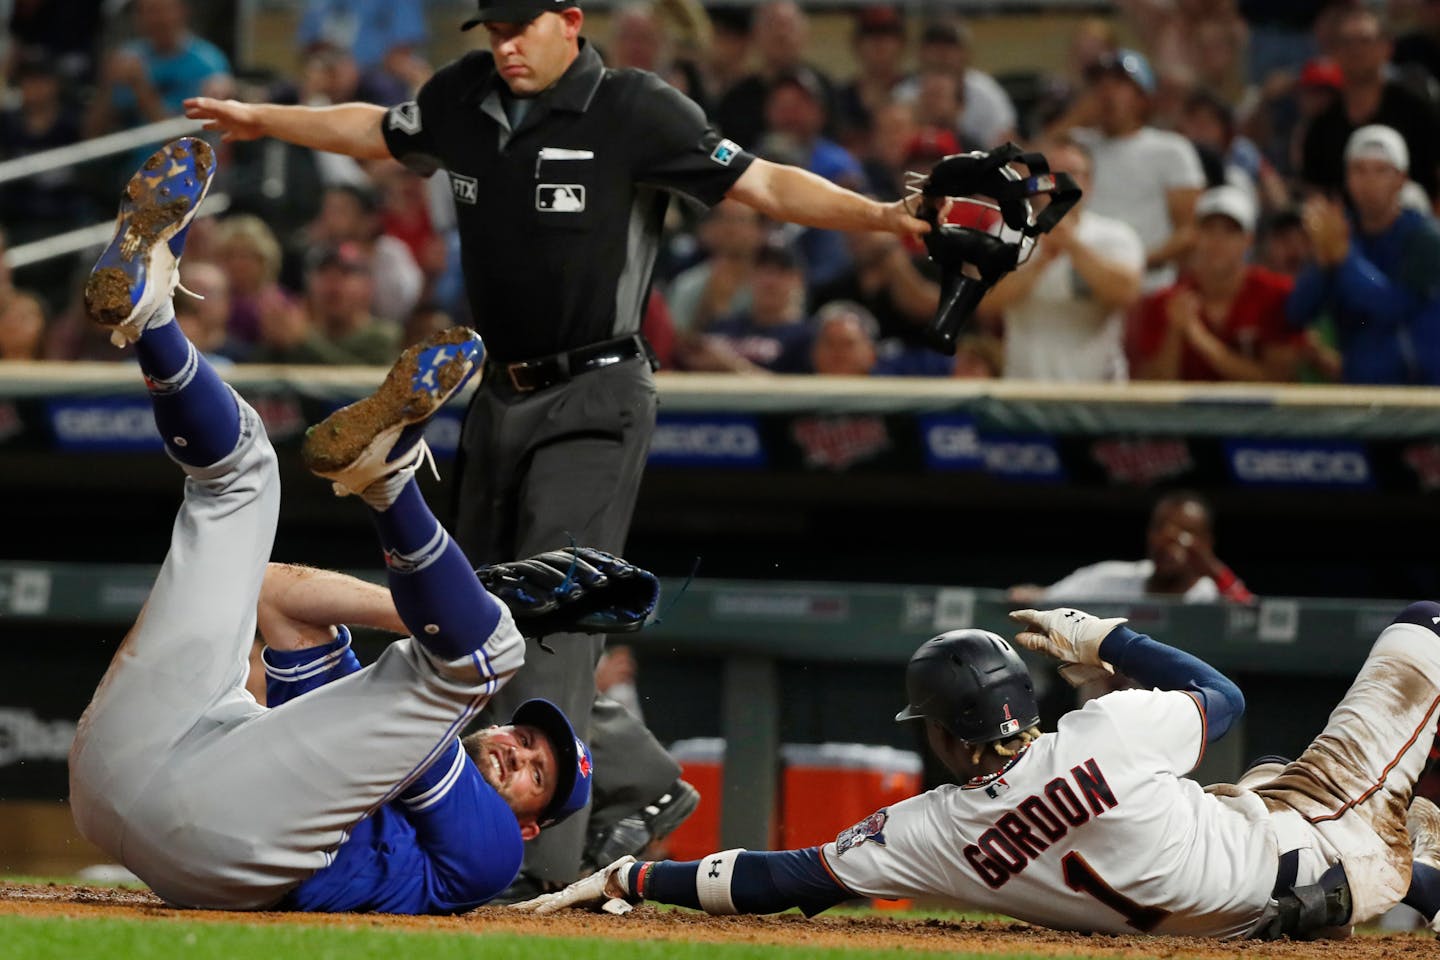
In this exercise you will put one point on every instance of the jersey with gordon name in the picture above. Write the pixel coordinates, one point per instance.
(1092, 828)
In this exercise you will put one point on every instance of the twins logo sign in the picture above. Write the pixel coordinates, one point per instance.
(871, 828)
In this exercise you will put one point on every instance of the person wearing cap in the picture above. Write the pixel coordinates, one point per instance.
(47, 204)
(1225, 318)
(877, 42)
(1146, 177)
(560, 171)
(780, 34)
(1369, 96)
(350, 213)
(1376, 270)
(771, 336)
(335, 325)
(1064, 309)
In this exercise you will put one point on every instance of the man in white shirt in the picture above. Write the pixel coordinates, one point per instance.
(1146, 177)
(1064, 309)
(1180, 562)
(986, 117)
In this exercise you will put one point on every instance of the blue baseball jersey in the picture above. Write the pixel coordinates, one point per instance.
(448, 842)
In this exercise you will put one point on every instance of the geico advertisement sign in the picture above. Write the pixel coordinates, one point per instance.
(707, 441)
(103, 424)
(956, 443)
(1299, 464)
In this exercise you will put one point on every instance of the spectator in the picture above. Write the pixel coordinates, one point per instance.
(640, 39)
(727, 61)
(1283, 246)
(718, 286)
(795, 118)
(405, 214)
(1375, 273)
(1224, 319)
(1367, 97)
(658, 329)
(1225, 154)
(1420, 48)
(1064, 309)
(891, 135)
(1180, 562)
(1204, 38)
(988, 118)
(847, 343)
(65, 33)
(47, 203)
(878, 44)
(1146, 177)
(781, 34)
(886, 281)
(335, 324)
(351, 214)
(772, 336)
(22, 327)
(1317, 92)
(205, 317)
(939, 102)
(250, 257)
(150, 78)
(384, 36)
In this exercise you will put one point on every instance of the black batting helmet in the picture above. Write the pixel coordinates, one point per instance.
(973, 684)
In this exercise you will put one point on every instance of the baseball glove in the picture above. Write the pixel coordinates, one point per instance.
(574, 590)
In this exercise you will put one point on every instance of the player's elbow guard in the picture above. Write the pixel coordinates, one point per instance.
(1225, 705)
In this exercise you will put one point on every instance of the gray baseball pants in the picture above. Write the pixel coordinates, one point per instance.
(538, 471)
(211, 799)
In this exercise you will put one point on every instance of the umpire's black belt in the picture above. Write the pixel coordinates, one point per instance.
(527, 376)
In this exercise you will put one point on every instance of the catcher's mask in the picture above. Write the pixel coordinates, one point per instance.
(971, 260)
(973, 684)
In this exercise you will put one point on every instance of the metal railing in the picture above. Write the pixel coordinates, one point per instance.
(83, 238)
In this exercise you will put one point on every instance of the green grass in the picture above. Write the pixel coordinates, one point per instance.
(67, 939)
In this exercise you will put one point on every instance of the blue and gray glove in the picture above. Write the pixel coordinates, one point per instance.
(574, 590)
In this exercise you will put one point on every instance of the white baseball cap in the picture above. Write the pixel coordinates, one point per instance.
(1227, 201)
(1379, 142)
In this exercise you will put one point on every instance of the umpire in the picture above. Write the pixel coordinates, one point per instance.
(561, 170)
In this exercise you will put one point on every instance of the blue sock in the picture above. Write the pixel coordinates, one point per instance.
(1424, 893)
(194, 410)
(435, 590)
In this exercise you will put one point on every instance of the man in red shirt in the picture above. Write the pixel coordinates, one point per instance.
(1224, 319)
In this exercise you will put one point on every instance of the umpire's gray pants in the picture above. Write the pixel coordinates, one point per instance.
(211, 799)
(539, 470)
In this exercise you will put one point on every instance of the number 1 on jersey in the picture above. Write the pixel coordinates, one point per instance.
(1082, 878)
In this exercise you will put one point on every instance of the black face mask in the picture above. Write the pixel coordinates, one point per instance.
(972, 261)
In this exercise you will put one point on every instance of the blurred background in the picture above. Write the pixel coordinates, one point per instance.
(1206, 402)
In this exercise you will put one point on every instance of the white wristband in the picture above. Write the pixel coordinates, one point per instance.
(712, 881)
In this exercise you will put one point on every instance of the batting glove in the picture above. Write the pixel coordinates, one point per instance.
(1071, 636)
(603, 889)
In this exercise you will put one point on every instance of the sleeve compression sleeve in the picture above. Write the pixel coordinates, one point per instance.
(1158, 665)
(743, 882)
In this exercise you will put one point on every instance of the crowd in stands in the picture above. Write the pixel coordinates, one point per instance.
(1260, 181)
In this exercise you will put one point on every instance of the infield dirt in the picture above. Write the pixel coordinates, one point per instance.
(648, 923)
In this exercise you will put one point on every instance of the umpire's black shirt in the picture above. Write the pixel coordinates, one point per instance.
(560, 218)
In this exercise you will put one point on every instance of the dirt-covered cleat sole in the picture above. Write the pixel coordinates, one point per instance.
(139, 269)
(374, 437)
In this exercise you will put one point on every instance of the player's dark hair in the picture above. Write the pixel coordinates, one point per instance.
(1177, 497)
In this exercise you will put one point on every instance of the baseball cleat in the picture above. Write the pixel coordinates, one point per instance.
(139, 270)
(384, 433)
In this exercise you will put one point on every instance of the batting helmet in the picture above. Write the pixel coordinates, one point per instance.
(973, 684)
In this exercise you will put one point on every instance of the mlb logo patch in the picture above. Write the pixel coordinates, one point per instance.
(560, 197)
(466, 189)
(724, 152)
(994, 790)
(872, 828)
